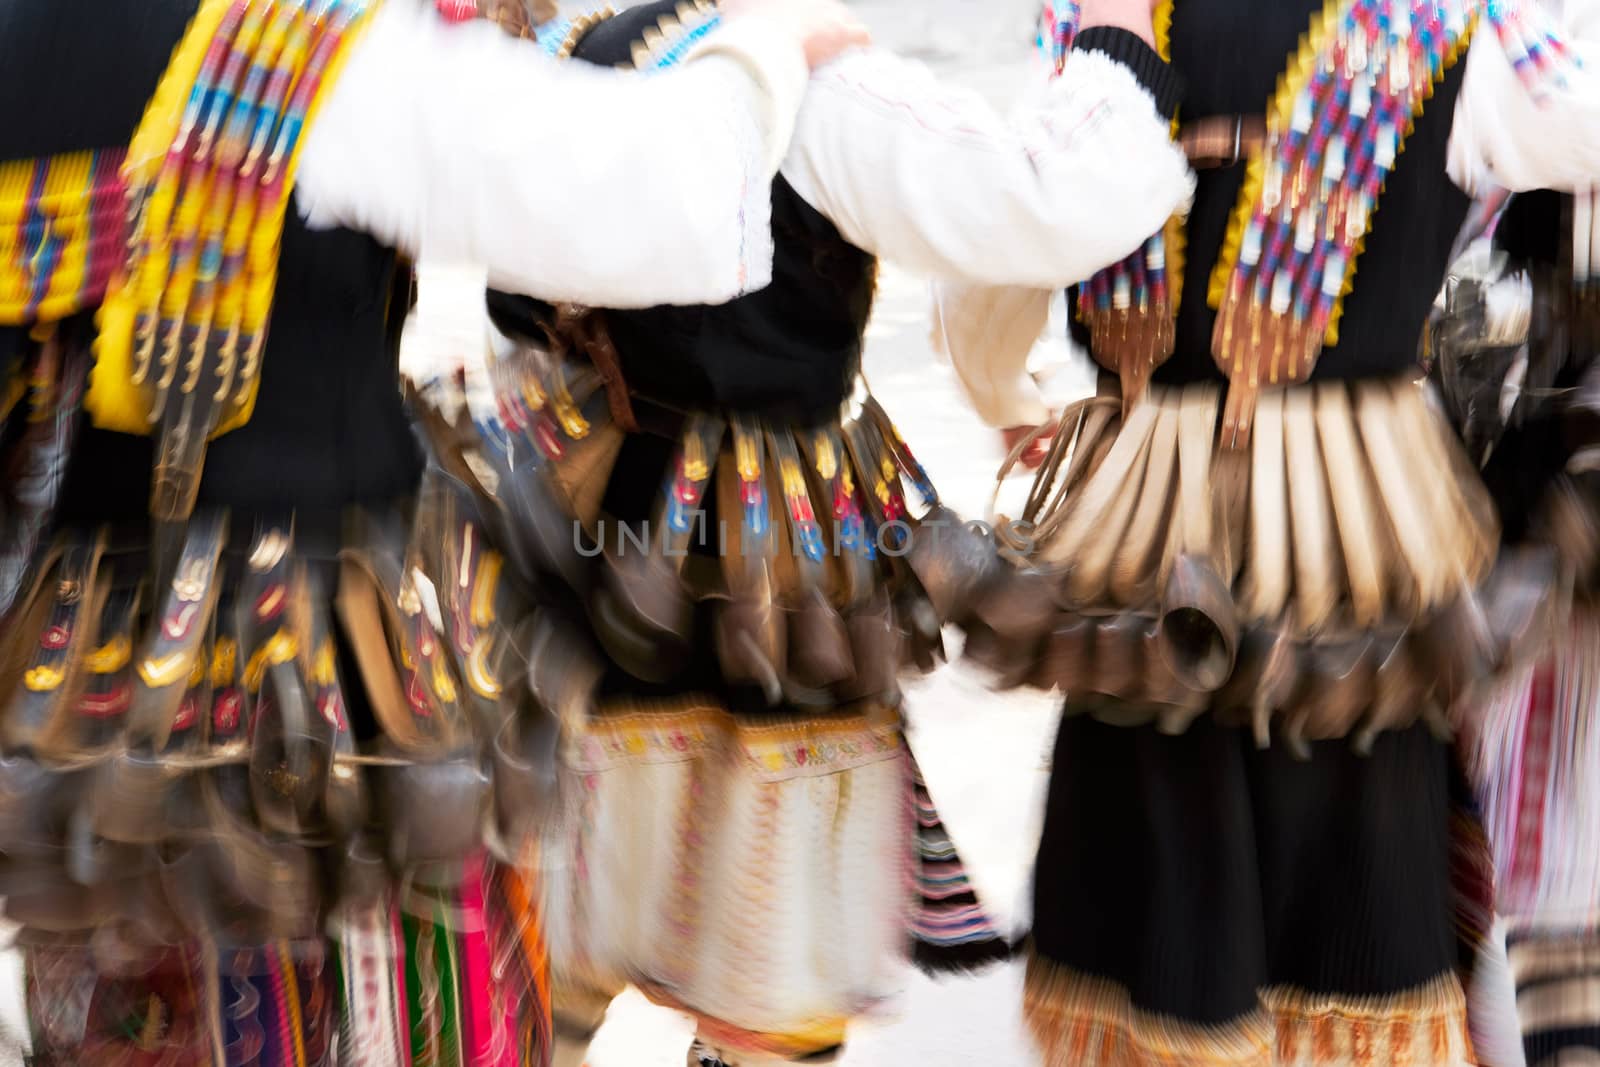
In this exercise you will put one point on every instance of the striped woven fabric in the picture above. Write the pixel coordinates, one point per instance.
(1558, 995)
(951, 929)
(453, 976)
(209, 174)
(475, 973)
(63, 227)
(1535, 764)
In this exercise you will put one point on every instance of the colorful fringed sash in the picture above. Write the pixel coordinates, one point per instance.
(208, 177)
(1335, 127)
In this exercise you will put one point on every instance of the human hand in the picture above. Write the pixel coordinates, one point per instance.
(1135, 16)
(1031, 457)
(825, 28)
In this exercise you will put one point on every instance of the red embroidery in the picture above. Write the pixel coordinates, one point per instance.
(418, 695)
(548, 438)
(225, 714)
(177, 626)
(188, 711)
(270, 604)
(105, 705)
(332, 709)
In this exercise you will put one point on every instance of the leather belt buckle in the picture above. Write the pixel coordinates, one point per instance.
(1221, 140)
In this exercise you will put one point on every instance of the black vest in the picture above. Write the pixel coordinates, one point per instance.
(789, 352)
(1231, 54)
(329, 428)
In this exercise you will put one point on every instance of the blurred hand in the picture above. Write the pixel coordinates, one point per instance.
(1135, 16)
(825, 28)
(1032, 456)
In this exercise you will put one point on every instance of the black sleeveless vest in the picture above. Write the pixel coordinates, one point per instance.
(1416, 222)
(789, 352)
(329, 428)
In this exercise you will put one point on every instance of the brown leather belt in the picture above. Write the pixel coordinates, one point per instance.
(1222, 140)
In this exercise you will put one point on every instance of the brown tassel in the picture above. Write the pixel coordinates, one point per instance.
(1132, 342)
(1258, 349)
(587, 333)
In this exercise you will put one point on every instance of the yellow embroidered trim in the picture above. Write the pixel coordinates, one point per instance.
(111, 401)
(483, 590)
(44, 679)
(1290, 82)
(479, 676)
(110, 657)
(1083, 1021)
(682, 729)
(1332, 336)
(114, 400)
(282, 647)
(1176, 231)
(58, 248)
(162, 672)
(223, 660)
(819, 1034)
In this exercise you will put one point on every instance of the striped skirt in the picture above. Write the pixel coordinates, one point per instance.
(442, 977)
(1535, 759)
(768, 875)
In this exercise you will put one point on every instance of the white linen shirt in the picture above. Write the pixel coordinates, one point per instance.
(461, 144)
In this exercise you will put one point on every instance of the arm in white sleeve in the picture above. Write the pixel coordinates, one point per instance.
(568, 182)
(933, 178)
(1503, 136)
(988, 332)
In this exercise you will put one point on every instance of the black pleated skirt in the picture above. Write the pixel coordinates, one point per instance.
(1200, 901)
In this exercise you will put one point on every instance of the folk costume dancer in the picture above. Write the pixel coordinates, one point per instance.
(242, 796)
(1527, 390)
(1256, 566)
(746, 837)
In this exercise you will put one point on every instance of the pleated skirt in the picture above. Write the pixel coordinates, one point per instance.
(1202, 902)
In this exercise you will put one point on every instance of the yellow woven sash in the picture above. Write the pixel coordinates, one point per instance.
(209, 175)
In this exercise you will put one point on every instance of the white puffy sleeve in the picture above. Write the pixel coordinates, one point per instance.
(461, 144)
(934, 179)
(988, 332)
(1504, 136)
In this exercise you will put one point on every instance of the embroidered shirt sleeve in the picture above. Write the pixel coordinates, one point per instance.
(933, 178)
(1529, 112)
(594, 186)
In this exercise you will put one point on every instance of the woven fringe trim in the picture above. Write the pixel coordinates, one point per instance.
(776, 747)
(1080, 1021)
